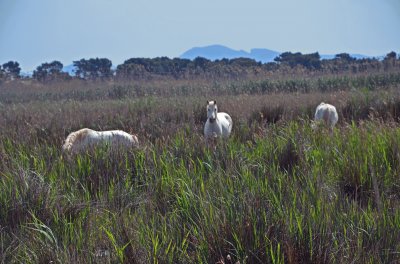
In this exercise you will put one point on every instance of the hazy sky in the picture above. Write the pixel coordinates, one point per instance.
(37, 31)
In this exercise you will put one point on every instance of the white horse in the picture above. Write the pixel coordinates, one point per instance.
(326, 113)
(218, 124)
(85, 139)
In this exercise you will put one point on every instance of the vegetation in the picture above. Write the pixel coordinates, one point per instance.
(287, 64)
(10, 70)
(93, 68)
(309, 61)
(277, 191)
(50, 72)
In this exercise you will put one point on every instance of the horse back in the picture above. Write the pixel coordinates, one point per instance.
(226, 123)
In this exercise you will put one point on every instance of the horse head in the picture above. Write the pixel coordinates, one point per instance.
(212, 110)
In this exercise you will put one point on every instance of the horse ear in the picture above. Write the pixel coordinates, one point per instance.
(215, 102)
(208, 102)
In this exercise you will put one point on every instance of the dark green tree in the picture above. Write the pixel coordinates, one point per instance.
(49, 71)
(131, 71)
(244, 62)
(309, 61)
(12, 70)
(93, 68)
(200, 62)
(345, 57)
(391, 55)
(159, 66)
(390, 60)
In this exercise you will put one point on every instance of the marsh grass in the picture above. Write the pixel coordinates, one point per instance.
(275, 192)
(289, 195)
(24, 90)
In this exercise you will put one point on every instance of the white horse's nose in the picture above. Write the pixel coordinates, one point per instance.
(213, 116)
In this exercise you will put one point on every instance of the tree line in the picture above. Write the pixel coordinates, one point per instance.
(147, 68)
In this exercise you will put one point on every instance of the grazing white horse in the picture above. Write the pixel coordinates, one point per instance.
(85, 139)
(218, 124)
(326, 113)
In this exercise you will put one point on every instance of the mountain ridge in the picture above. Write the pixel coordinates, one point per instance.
(218, 52)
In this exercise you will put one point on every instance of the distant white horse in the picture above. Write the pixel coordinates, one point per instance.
(218, 124)
(326, 113)
(85, 139)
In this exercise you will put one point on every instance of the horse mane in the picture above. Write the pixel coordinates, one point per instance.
(75, 138)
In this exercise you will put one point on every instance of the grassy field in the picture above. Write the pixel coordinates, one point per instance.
(275, 192)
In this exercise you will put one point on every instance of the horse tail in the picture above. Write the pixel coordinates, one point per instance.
(326, 116)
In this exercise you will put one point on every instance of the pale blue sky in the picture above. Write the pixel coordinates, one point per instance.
(37, 31)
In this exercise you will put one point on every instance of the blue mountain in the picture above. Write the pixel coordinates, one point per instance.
(217, 52)
(70, 69)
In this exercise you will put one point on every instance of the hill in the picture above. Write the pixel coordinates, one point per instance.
(217, 52)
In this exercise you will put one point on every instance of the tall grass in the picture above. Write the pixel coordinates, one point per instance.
(275, 192)
(80, 90)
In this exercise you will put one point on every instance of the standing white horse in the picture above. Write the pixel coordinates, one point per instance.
(85, 139)
(326, 113)
(218, 124)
